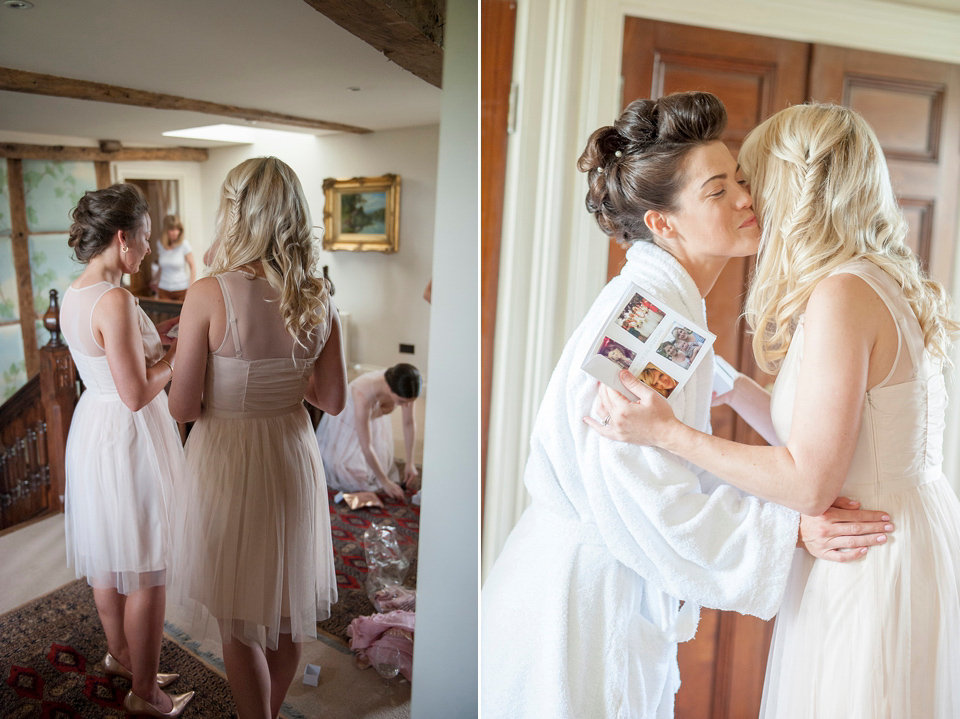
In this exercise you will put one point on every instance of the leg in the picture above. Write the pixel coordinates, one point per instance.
(143, 625)
(110, 605)
(249, 677)
(282, 663)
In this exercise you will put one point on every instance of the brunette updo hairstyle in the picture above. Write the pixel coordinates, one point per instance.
(636, 164)
(100, 214)
(404, 380)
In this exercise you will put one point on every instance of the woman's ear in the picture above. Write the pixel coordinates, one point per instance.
(659, 224)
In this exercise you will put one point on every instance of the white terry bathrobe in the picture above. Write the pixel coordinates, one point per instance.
(580, 615)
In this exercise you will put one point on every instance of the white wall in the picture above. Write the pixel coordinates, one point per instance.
(445, 652)
(383, 293)
(553, 258)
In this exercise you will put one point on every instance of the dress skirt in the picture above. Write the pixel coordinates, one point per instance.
(255, 548)
(119, 497)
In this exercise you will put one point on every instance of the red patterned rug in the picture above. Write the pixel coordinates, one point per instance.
(347, 527)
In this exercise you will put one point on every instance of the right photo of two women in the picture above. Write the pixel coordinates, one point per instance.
(753, 512)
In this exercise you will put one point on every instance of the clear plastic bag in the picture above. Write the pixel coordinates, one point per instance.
(386, 569)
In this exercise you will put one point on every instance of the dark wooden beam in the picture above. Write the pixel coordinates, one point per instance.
(408, 32)
(102, 168)
(21, 263)
(95, 154)
(38, 84)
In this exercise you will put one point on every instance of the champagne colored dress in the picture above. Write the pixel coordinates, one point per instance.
(256, 548)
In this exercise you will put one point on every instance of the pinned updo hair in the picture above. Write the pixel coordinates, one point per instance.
(100, 214)
(404, 380)
(636, 164)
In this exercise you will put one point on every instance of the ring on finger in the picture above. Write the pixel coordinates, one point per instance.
(606, 420)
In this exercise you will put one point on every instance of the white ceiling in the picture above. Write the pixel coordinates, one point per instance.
(276, 55)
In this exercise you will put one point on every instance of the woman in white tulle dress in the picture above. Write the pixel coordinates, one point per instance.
(255, 339)
(357, 444)
(858, 336)
(123, 458)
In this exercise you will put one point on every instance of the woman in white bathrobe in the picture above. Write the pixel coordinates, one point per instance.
(581, 612)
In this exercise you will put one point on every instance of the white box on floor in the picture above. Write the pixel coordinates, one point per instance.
(311, 675)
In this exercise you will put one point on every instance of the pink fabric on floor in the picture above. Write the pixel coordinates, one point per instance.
(371, 636)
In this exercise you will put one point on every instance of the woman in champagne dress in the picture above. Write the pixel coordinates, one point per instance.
(123, 457)
(858, 336)
(255, 339)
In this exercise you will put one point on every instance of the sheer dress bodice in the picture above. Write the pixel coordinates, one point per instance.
(76, 323)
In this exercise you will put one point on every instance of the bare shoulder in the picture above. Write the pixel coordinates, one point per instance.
(117, 302)
(845, 298)
(204, 293)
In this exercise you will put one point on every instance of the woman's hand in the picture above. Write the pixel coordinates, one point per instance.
(411, 477)
(648, 421)
(392, 489)
(844, 532)
(164, 327)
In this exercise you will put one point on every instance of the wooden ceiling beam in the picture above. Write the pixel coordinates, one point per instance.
(95, 154)
(38, 84)
(408, 32)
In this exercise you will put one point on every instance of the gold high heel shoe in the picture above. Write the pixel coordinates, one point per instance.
(112, 666)
(133, 704)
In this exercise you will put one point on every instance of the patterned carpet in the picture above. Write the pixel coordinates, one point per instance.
(51, 647)
(50, 653)
(347, 526)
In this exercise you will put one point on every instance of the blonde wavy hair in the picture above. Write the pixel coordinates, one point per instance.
(822, 194)
(263, 217)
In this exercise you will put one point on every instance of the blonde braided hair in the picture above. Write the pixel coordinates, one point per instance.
(263, 217)
(822, 193)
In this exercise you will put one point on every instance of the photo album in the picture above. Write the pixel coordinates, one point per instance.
(658, 345)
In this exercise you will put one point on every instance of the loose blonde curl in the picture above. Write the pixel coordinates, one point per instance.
(263, 217)
(822, 194)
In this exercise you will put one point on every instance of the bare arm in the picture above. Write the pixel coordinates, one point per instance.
(327, 389)
(116, 319)
(752, 402)
(411, 477)
(843, 320)
(204, 298)
(188, 258)
(362, 409)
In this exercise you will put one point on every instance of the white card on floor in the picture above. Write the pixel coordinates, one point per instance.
(311, 675)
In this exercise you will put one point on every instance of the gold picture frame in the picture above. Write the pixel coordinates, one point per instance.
(362, 214)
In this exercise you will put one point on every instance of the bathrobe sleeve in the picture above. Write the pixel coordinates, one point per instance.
(718, 548)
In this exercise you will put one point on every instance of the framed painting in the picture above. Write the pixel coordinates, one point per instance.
(362, 214)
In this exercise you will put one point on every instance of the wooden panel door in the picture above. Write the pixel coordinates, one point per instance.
(497, 35)
(914, 107)
(722, 668)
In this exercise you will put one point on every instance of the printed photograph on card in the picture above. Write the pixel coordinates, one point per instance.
(651, 340)
(640, 317)
(681, 345)
(616, 353)
(657, 379)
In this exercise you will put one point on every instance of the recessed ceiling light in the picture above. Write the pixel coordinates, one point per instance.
(18, 4)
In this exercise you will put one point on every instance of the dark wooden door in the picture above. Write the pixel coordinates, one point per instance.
(722, 669)
(497, 35)
(914, 106)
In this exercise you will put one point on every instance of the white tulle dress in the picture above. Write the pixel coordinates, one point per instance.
(256, 551)
(122, 466)
(339, 443)
(878, 638)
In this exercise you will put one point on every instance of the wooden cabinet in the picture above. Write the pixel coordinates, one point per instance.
(914, 106)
